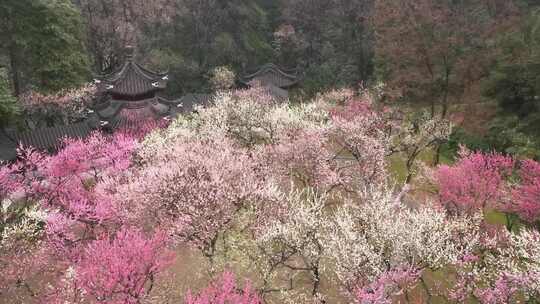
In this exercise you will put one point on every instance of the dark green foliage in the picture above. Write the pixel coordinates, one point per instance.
(460, 137)
(9, 108)
(515, 84)
(43, 43)
(512, 135)
(207, 34)
(331, 41)
(515, 81)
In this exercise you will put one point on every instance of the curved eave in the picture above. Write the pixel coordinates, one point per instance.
(270, 67)
(290, 84)
(159, 106)
(132, 80)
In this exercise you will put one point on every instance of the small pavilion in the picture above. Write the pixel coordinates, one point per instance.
(275, 80)
(132, 88)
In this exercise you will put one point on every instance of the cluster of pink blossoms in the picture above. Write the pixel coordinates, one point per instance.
(486, 181)
(224, 291)
(82, 226)
(387, 285)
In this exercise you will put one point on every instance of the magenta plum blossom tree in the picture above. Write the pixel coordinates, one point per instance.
(62, 188)
(475, 182)
(526, 196)
(223, 291)
(479, 181)
(122, 268)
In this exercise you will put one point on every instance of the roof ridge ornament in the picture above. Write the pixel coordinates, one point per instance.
(130, 52)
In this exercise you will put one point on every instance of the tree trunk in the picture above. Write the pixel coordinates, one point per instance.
(15, 73)
(436, 159)
(317, 281)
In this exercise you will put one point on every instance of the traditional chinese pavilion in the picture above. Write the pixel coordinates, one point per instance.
(277, 81)
(132, 88)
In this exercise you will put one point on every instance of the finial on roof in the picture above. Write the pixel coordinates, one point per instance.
(130, 51)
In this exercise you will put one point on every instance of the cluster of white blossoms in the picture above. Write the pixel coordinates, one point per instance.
(417, 134)
(249, 119)
(27, 228)
(364, 240)
(302, 228)
(222, 78)
(379, 234)
(519, 260)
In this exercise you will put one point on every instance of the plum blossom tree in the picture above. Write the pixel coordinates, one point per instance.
(62, 183)
(195, 196)
(222, 78)
(503, 268)
(304, 158)
(381, 234)
(248, 117)
(242, 116)
(416, 135)
(478, 181)
(62, 188)
(475, 182)
(345, 153)
(63, 107)
(123, 268)
(387, 285)
(224, 290)
(294, 241)
(363, 143)
(526, 195)
(21, 229)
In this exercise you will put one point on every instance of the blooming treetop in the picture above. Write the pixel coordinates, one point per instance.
(223, 291)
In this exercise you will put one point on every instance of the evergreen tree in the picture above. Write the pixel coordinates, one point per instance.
(514, 83)
(9, 108)
(208, 34)
(43, 43)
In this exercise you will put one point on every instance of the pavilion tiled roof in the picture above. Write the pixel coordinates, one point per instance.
(271, 74)
(157, 105)
(45, 139)
(51, 138)
(277, 93)
(132, 80)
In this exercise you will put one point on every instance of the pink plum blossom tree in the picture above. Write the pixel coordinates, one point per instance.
(223, 291)
(387, 285)
(194, 189)
(62, 187)
(123, 268)
(526, 195)
(475, 182)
